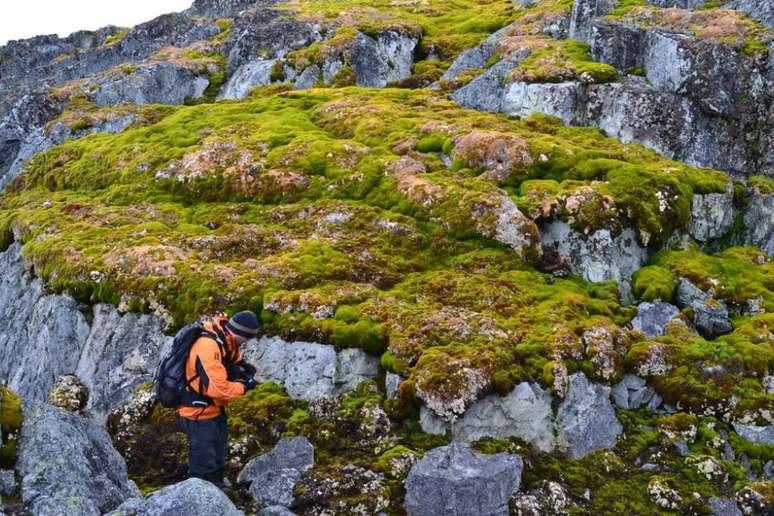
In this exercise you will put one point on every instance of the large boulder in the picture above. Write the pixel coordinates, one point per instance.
(386, 59)
(248, 76)
(68, 465)
(710, 316)
(486, 91)
(756, 434)
(712, 215)
(653, 318)
(586, 419)
(162, 83)
(454, 480)
(525, 413)
(600, 256)
(584, 12)
(193, 496)
(272, 477)
(759, 221)
(310, 371)
(561, 100)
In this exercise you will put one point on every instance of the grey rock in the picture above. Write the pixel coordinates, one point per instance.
(585, 419)
(486, 91)
(162, 83)
(756, 434)
(224, 8)
(768, 470)
(560, 100)
(289, 453)
(712, 215)
(270, 33)
(759, 222)
(308, 370)
(682, 448)
(600, 256)
(620, 395)
(386, 59)
(120, 354)
(391, 383)
(652, 318)
(248, 76)
(710, 316)
(192, 496)
(51, 337)
(668, 60)
(275, 487)
(307, 78)
(454, 480)
(583, 12)
(640, 397)
(524, 413)
(7, 482)
(432, 424)
(724, 507)
(471, 59)
(617, 44)
(633, 382)
(68, 464)
(761, 10)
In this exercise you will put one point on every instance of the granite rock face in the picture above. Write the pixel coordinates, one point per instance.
(712, 215)
(454, 480)
(248, 76)
(193, 496)
(68, 465)
(585, 419)
(710, 316)
(600, 256)
(289, 453)
(652, 318)
(309, 370)
(756, 434)
(386, 59)
(759, 221)
(162, 83)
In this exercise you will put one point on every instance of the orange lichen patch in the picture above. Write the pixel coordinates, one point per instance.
(503, 156)
(147, 260)
(717, 25)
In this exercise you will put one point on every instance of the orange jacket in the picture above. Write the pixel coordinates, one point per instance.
(205, 366)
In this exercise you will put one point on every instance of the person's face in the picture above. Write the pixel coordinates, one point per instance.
(239, 340)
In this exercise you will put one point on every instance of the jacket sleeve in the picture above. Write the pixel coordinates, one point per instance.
(212, 374)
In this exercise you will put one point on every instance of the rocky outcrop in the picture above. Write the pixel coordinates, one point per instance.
(583, 12)
(193, 496)
(270, 33)
(761, 10)
(486, 91)
(633, 392)
(525, 413)
(710, 316)
(162, 83)
(68, 465)
(652, 318)
(308, 370)
(454, 480)
(600, 256)
(224, 8)
(759, 221)
(585, 419)
(560, 100)
(82, 54)
(48, 336)
(756, 434)
(273, 476)
(386, 59)
(712, 215)
(248, 76)
(724, 507)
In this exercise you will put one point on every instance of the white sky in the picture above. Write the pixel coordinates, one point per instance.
(21, 19)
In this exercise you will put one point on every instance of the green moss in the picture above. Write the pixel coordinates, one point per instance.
(117, 37)
(10, 423)
(563, 60)
(654, 282)
(763, 184)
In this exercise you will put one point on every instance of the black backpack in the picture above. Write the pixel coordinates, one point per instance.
(171, 385)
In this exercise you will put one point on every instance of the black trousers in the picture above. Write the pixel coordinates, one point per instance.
(207, 447)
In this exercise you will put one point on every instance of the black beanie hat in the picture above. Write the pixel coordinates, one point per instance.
(244, 324)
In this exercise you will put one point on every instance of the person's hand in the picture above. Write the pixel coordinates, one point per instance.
(249, 369)
(250, 384)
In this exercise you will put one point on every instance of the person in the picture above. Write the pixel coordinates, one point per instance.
(216, 375)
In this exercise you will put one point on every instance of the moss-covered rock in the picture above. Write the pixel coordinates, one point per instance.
(10, 424)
